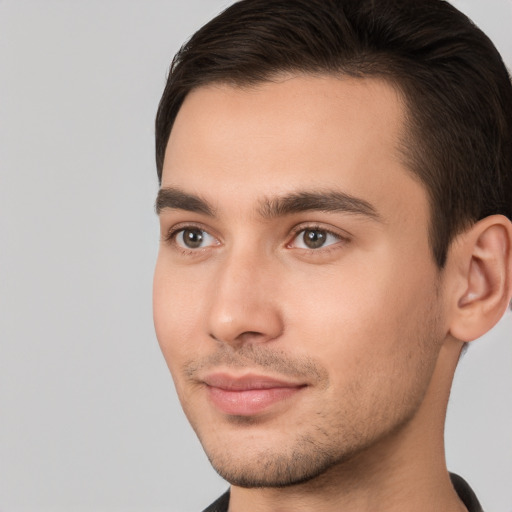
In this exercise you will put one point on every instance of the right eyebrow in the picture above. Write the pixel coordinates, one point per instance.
(324, 201)
(176, 199)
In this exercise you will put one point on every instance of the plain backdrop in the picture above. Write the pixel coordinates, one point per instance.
(89, 420)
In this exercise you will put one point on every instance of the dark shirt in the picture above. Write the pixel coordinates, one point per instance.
(465, 493)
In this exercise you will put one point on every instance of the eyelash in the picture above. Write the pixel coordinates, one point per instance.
(175, 230)
(315, 227)
(171, 235)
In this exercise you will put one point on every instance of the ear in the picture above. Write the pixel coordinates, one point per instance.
(482, 277)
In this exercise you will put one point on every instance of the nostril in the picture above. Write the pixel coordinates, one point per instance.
(251, 334)
(240, 339)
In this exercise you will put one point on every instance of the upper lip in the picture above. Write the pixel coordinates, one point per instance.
(247, 382)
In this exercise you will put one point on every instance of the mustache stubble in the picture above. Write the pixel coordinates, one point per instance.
(257, 357)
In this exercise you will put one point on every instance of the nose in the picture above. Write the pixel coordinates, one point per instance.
(244, 307)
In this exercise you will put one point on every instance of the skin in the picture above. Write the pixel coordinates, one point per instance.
(361, 323)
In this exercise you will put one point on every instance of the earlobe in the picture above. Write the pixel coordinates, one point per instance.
(484, 276)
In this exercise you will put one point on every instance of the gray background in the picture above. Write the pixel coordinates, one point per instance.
(88, 416)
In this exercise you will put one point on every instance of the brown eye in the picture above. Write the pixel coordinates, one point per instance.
(314, 238)
(194, 238)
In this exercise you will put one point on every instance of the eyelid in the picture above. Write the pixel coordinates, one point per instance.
(341, 235)
(180, 226)
(174, 230)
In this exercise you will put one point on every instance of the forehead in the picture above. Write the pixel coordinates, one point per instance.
(323, 132)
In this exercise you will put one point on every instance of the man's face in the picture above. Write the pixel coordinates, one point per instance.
(296, 300)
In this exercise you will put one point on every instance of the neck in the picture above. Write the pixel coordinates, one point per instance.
(404, 471)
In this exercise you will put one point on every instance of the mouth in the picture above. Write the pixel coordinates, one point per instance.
(248, 395)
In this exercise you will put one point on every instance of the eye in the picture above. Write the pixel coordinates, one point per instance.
(193, 238)
(314, 238)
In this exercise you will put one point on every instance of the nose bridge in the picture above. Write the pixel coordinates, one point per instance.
(243, 306)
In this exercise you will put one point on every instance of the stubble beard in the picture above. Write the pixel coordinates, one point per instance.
(316, 452)
(328, 444)
(306, 461)
(314, 456)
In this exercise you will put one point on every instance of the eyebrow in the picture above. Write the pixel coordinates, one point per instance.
(176, 199)
(297, 202)
(323, 201)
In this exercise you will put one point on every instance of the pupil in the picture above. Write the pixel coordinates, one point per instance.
(314, 238)
(193, 238)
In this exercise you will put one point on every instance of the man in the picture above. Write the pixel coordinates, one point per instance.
(335, 205)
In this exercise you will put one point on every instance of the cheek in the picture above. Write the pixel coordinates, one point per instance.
(378, 350)
(371, 320)
(176, 309)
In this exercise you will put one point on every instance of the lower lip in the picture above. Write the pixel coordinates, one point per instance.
(251, 401)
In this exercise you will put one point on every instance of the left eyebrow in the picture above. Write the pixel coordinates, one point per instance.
(323, 201)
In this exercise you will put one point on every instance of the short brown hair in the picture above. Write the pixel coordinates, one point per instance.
(454, 82)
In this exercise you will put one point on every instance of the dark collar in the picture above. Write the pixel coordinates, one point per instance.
(462, 488)
(220, 505)
(466, 494)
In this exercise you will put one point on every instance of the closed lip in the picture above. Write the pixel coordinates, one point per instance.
(250, 394)
(247, 382)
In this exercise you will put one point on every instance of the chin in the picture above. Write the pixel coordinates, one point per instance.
(301, 461)
(273, 470)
